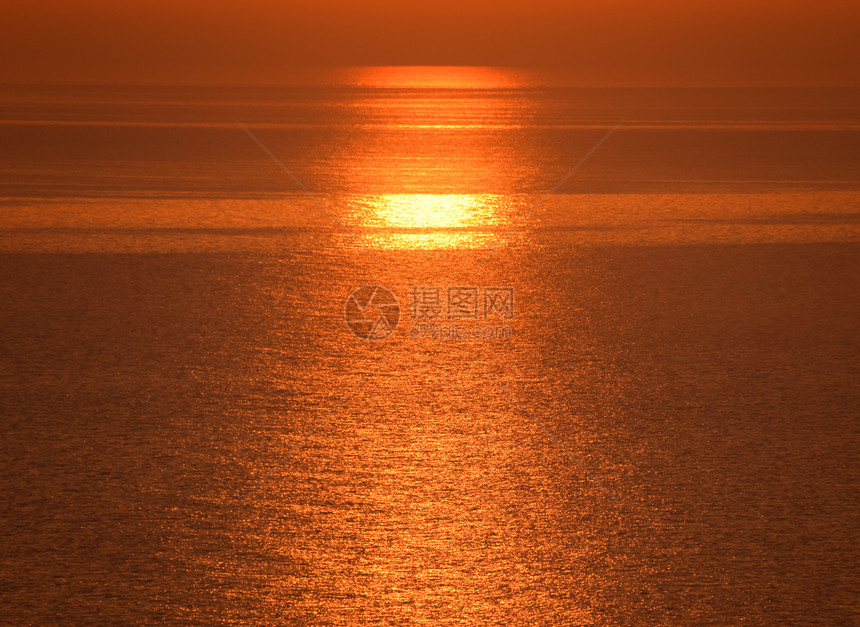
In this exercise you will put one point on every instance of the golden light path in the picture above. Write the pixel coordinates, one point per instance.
(438, 168)
(429, 221)
(432, 221)
(437, 211)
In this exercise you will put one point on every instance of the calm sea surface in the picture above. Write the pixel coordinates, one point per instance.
(662, 429)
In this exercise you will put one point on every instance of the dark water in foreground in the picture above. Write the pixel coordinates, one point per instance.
(667, 432)
(712, 390)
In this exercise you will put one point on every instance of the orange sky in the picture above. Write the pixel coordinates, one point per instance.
(607, 42)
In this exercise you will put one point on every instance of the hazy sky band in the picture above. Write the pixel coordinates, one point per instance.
(615, 42)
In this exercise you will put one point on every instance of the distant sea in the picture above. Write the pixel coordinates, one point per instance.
(666, 432)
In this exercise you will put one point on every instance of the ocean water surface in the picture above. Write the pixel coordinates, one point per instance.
(656, 424)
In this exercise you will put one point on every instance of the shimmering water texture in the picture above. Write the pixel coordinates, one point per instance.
(207, 418)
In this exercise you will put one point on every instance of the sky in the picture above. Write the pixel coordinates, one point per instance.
(594, 42)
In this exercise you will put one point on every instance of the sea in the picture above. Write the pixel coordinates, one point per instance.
(461, 346)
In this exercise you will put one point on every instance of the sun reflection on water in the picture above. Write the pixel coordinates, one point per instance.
(423, 177)
(439, 211)
(430, 221)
